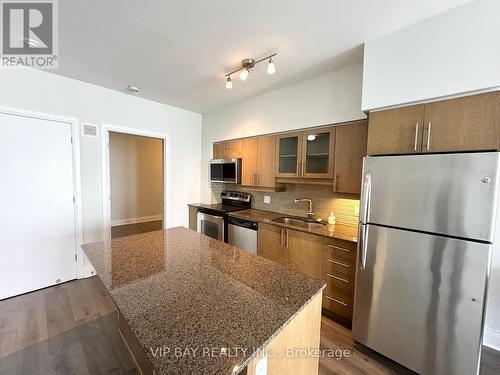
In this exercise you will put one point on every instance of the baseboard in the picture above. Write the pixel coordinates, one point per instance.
(135, 220)
(491, 338)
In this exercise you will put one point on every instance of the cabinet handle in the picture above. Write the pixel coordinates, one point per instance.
(339, 248)
(286, 240)
(416, 137)
(337, 301)
(338, 263)
(429, 136)
(302, 170)
(281, 237)
(338, 278)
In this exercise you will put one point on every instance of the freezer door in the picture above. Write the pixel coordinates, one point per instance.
(451, 194)
(419, 300)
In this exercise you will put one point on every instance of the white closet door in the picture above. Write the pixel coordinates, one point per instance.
(37, 213)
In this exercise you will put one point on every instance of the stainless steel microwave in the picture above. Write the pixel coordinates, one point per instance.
(225, 170)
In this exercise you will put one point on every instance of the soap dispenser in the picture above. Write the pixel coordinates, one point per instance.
(331, 218)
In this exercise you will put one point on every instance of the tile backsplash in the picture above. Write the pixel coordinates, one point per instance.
(324, 201)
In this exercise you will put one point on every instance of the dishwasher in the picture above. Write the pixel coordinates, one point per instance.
(242, 233)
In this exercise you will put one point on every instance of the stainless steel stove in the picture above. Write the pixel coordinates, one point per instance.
(212, 219)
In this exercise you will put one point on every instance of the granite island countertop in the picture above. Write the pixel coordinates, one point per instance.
(339, 231)
(179, 289)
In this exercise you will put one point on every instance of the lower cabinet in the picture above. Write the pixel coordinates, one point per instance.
(339, 272)
(193, 213)
(320, 257)
(270, 241)
(303, 252)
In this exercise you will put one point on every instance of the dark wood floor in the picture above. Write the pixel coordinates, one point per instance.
(69, 328)
(130, 229)
(72, 329)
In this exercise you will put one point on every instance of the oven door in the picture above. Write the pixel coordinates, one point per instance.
(210, 225)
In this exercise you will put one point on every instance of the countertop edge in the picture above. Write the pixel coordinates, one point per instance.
(293, 227)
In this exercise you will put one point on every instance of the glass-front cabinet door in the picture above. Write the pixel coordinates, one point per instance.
(288, 150)
(318, 153)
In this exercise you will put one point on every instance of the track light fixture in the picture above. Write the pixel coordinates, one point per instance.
(246, 67)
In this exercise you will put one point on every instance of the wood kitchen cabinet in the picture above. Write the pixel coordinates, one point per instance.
(350, 148)
(270, 243)
(227, 150)
(326, 258)
(396, 131)
(298, 250)
(307, 154)
(249, 162)
(288, 154)
(304, 252)
(258, 163)
(469, 123)
(339, 272)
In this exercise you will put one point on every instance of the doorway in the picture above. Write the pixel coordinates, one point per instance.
(135, 181)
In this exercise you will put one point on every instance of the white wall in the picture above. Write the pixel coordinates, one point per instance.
(328, 98)
(455, 52)
(136, 178)
(48, 93)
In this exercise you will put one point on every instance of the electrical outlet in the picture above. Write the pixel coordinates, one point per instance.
(261, 366)
(267, 199)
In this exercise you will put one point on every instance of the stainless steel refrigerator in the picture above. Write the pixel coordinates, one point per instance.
(427, 226)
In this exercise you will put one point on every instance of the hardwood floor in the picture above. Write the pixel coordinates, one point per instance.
(69, 328)
(131, 229)
(72, 329)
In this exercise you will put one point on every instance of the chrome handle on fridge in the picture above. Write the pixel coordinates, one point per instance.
(362, 245)
(416, 137)
(429, 136)
(365, 199)
(365, 215)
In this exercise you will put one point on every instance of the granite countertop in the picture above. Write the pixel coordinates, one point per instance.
(214, 302)
(339, 231)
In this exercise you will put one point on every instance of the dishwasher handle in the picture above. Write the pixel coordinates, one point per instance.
(242, 223)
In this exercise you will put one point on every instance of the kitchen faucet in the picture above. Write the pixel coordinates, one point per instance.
(310, 213)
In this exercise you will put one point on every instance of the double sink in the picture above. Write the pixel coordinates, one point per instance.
(304, 223)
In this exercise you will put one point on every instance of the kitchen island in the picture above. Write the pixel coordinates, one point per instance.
(191, 304)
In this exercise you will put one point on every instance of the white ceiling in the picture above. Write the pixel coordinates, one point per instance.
(178, 51)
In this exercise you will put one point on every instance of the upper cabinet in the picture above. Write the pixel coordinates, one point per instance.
(469, 123)
(307, 154)
(228, 150)
(465, 124)
(350, 148)
(288, 154)
(258, 163)
(318, 153)
(396, 131)
(330, 155)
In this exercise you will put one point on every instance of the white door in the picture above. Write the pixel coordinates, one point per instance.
(37, 213)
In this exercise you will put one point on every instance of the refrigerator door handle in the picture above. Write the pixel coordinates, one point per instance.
(362, 245)
(365, 201)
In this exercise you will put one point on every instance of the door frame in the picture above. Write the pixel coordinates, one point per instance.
(106, 176)
(77, 186)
